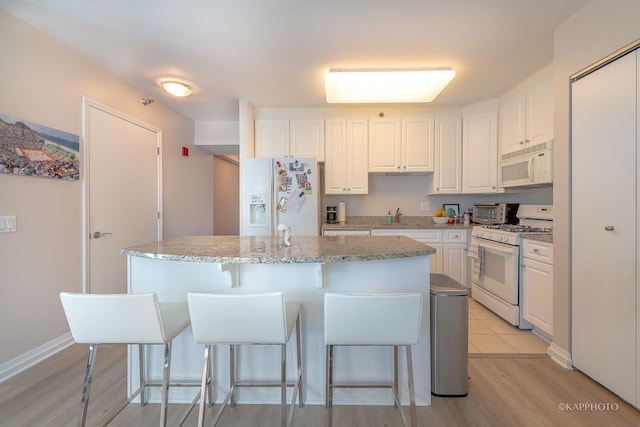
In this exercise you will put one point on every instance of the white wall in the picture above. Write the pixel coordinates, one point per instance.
(41, 81)
(598, 29)
(226, 196)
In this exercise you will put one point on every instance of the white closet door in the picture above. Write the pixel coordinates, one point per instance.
(604, 259)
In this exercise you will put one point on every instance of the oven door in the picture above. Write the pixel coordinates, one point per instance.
(498, 272)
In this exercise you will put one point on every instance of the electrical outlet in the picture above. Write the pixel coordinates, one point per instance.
(425, 206)
(7, 224)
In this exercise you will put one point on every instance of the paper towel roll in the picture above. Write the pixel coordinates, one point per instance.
(342, 212)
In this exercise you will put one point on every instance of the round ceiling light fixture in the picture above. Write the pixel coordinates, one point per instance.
(176, 88)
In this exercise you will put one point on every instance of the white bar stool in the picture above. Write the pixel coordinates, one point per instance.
(372, 320)
(127, 319)
(264, 319)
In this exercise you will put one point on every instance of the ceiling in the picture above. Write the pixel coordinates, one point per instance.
(275, 52)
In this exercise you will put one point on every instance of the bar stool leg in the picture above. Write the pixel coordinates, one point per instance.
(299, 353)
(329, 390)
(86, 387)
(203, 385)
(210, 373)
(165, 384)
(412, 394)
(232, 374)
(395, 373)
(283, 385)
(141, 373)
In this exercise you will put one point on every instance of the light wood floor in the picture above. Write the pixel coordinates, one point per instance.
(504, 390)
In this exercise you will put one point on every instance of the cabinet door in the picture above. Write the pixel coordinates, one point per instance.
(540, 113)
(513, 128)
(455, 263)
(480, 153)
(306, 139)
(537, 294)
(272, 138)
(345, 168)
(384, 145)
(335, 166)
(357, 171)
(447, 178)
(417, 149)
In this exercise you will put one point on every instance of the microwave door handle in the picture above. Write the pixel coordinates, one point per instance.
(530, 168)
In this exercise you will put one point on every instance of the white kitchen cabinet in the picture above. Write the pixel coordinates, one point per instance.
(450, 245)
(605, 302)
(447, 178)
(526, 115)
(290, 138)
(537, 284)
(480, 153)
(345, 168)
(401, 145)
(455, 260)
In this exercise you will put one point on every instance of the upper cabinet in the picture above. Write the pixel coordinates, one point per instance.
(447, 178)
(345, 168)
(526, 113)
(290, 138)
(480, 151)
(401, 145)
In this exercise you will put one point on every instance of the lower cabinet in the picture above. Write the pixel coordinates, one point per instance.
(537, 284)
(450, 245)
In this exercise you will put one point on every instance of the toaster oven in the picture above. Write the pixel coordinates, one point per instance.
(495, 213)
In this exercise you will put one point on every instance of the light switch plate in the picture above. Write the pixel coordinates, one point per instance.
(7, 224)
(425, 206)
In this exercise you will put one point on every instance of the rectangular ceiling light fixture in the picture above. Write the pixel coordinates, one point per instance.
(386, 86)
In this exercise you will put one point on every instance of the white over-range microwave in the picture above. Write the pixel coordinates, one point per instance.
(532, 166)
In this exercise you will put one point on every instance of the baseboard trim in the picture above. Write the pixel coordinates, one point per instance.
(37, 355)
(560, 356)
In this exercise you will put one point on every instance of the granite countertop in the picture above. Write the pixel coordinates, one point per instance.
(268, 250)
(548, 238)
(406, 222)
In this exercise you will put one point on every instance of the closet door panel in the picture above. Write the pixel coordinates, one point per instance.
(604, 231)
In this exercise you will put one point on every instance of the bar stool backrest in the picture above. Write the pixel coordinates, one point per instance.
(373, 319)
(238, 319)
(114, 318)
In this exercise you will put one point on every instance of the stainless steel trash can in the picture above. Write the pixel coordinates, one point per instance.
(449, 336)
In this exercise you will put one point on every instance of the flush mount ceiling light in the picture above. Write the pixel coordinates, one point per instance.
(176, 88)
(386, 86)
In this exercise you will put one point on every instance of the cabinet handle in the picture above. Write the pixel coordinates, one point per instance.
(536, 250)
(526, 141)
(609, 228)
(398, 167)
(521, 142)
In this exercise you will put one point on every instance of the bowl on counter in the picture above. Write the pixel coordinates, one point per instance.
(440, 219)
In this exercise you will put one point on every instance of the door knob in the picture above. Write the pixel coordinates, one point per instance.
(609, 227)
(97, 234)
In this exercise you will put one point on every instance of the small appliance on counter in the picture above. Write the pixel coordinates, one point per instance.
(495, 213)
(332, 215)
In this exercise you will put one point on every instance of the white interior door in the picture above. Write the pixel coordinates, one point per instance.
(604, 230)
(122, 193)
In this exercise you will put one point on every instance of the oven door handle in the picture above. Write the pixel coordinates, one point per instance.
(495, 248)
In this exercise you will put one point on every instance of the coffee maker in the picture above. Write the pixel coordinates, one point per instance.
(332, 215)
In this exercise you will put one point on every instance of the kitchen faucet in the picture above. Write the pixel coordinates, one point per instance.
(397, 220)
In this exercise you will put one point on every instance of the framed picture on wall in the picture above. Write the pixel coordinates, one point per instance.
(451, 210)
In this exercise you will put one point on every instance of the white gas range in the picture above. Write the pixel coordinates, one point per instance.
(496, 258)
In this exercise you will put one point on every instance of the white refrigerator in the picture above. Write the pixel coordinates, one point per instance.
(279, 191)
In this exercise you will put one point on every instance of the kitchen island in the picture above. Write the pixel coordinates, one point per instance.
(304, 271)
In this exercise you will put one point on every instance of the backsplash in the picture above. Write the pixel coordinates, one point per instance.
(387, 193)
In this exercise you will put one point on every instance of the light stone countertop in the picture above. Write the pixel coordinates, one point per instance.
(548, 238)
(268, 250)
(406, 222)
